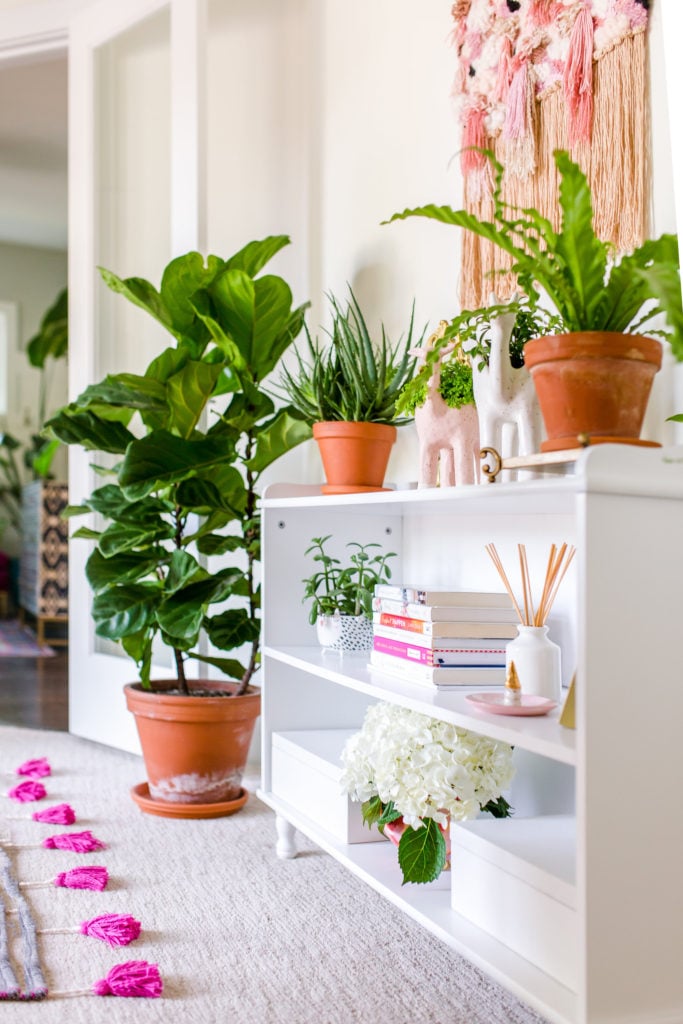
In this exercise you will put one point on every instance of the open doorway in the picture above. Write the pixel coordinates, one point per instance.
(33, 273)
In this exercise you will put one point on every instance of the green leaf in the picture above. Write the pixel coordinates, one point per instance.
(88, 430)
(422, 853)
(160, 459)
(203, 496)
(130, 567)
(120, 537)
(181, 614)
(232, 628)
(254, 256)
(183, 569)
(371, 810)
(53, 337)
(188, 391)
(127, 390)
(125, 609)
(184, 276)
(141, 293)
(110, 501)
(229, 666)
(218, 544)
(139, 647)
(282, 434)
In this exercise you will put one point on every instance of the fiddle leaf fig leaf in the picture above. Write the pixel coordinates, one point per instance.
(188, 392)
(254, 256)
(282, 434)
(125, 536)
(125, 609)
(128, 567)
(161, 459)
(228, 666)
(90, 431)
(231, 629)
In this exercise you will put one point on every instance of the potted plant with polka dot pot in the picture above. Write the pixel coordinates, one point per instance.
(341, 594)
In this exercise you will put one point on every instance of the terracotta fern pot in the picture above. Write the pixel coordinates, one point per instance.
(195, 748)
(593, 387)
(354, 455)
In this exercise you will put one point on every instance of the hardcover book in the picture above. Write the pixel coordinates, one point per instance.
(453, 657)
(422, 628)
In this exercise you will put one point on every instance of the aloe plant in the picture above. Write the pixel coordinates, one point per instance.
(352, 379)
(588, 286)
(184, 487)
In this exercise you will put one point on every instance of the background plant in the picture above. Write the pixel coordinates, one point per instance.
(347, 589)
(352, 379)
(456, 386)
(403, 764)
(190, 439)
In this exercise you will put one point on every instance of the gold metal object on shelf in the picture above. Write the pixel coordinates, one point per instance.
(539, 460)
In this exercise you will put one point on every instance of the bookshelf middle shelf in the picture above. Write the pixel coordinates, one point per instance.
(542, 735)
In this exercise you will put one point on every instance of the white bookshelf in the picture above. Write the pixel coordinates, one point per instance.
(617, 618)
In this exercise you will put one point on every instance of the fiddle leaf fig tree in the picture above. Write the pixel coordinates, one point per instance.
(190, 439)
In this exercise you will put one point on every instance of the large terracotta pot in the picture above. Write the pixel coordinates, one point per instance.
(194, 748)
(354, 455)
(593, 386)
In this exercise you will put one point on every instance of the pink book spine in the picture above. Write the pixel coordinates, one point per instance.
(420, 655)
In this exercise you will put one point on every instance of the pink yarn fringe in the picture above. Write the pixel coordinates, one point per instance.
(60, 814)
(134, 978)
(474, 134)
(35, 768)
(516, 126)
(578, 80)
(27, 792)
(93, 877)
(115, 929)
(78, 842)
(504, 71)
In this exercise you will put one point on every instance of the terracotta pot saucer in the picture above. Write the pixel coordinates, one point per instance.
(166, 809)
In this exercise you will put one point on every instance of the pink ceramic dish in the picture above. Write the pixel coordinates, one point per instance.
(495, 704)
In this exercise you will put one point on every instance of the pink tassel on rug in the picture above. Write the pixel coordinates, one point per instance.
(578, 80)
(134, 978)
(36, 768)
(541, 12)
(60, 814)
(78, 842)
(27, 792)
(516, 126)
(114, 929)
(504, 71)
(92, 877)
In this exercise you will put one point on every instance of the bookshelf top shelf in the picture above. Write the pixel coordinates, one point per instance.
(618, 469)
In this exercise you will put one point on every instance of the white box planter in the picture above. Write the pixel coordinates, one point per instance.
(515, 879)
(306, 773)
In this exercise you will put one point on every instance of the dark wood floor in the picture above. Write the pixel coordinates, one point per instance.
(33, 692)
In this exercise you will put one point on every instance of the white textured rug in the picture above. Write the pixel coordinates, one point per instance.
(239, 935)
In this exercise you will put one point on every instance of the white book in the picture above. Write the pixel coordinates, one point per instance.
(409, 593)
(444, 613)
(438, 677)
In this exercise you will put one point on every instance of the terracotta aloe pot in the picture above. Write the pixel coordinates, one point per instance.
(195, 748)
(592, 387)
(354, 455)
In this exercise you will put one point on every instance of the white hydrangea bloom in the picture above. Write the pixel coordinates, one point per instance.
(428, 768)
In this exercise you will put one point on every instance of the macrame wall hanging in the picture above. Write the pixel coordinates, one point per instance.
(538, 75)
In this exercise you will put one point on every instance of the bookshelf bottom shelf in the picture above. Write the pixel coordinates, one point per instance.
(375, 864)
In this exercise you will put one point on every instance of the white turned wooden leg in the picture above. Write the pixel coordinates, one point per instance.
(285, 847)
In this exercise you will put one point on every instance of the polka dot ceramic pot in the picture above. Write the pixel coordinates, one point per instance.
(344, 632)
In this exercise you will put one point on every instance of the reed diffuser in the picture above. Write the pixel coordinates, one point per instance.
(536, 658)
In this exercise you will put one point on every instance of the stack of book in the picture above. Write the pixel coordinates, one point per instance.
(442, 638)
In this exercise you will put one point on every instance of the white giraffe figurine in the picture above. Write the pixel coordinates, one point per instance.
(448, 438)
(506, 397)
